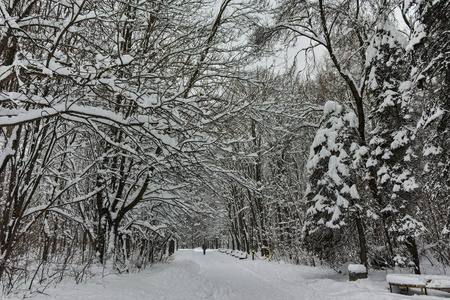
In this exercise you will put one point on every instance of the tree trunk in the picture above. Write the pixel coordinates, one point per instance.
(362, 242)
(412, 247)
(101, 235)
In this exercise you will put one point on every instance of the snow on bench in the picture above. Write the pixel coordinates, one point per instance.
(357, 268)
(407, 281)
(423, 282)
(438, 282)
(356, 271)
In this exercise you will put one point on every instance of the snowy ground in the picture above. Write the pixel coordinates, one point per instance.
(192, 275)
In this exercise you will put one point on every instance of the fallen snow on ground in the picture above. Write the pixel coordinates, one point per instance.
(192, 275)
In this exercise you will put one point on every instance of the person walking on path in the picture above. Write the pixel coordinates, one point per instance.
(204, 249)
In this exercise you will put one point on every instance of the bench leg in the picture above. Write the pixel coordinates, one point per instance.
(390, 287)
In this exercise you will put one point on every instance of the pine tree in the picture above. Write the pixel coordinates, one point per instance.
(392, 156)
(333, 200)
(432, 47)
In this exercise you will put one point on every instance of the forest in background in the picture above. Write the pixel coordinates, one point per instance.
(126, 124)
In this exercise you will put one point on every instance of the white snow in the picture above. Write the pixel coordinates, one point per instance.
(352, 119)
(438, 281)
(331, 107)
(354, 192)
(357, 268)
(192, 275)
(430, 281)
(431, 150)
(419, 34)
(341, 201)
(406, 279)
(124, 60)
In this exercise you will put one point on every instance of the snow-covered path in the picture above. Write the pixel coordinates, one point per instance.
(192, 275)
(215, 275)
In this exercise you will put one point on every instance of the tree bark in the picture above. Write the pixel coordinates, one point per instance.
(412, 247)
(362, 241)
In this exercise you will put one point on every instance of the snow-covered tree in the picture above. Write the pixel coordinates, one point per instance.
(393, 152)
(432, 52)
(344, 30)
(333, 202)
(107, 107)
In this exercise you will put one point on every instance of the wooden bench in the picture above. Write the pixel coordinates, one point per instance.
(422, 282)
(438, 282)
